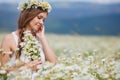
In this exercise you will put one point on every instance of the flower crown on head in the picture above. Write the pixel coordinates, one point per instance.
(35, 4)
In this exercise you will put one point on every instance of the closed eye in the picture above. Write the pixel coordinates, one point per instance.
(39, 17)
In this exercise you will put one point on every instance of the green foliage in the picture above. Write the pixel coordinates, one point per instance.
(3, 76)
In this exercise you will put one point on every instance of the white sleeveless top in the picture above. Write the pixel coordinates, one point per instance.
(23, 57)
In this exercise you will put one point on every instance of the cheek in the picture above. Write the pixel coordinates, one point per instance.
(35, 20)
(32, 23)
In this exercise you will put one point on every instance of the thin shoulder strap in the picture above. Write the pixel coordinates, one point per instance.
(15, 38)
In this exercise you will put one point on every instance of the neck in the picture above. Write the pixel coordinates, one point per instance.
(28, 28)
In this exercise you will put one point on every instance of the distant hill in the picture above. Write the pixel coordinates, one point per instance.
(71, 18)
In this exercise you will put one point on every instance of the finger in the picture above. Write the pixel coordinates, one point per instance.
(37, 62)
(39, 66)
(41, 28)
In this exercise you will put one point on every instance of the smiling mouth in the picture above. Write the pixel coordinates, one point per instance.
(38, 24)
(38, 28)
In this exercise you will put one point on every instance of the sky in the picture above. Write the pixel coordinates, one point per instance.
(93, 1)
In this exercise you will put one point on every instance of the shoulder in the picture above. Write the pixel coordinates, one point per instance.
(7, 39)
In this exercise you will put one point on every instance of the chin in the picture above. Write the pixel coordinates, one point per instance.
(36, 29)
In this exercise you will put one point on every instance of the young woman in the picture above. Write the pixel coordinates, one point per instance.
(31, 19)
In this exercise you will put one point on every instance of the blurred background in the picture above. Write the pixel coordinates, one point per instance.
(83, 33)
(82, 17)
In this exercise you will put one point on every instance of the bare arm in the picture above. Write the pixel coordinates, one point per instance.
(0, 56)
(49, 54)
(5, 45)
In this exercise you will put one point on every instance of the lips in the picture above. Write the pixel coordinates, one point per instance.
(38, 24)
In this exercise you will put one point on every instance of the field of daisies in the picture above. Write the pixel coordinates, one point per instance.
(79, 58)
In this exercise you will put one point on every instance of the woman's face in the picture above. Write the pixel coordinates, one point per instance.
(37, 22)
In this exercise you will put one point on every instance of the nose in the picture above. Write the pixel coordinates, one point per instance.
(41, 21)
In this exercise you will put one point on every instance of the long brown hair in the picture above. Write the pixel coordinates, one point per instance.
(25, 17)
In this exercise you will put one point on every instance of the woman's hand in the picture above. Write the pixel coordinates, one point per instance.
(33, 64)
(40, 33)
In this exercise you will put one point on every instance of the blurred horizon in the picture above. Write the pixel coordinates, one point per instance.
(82, 17)
(90, 1)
